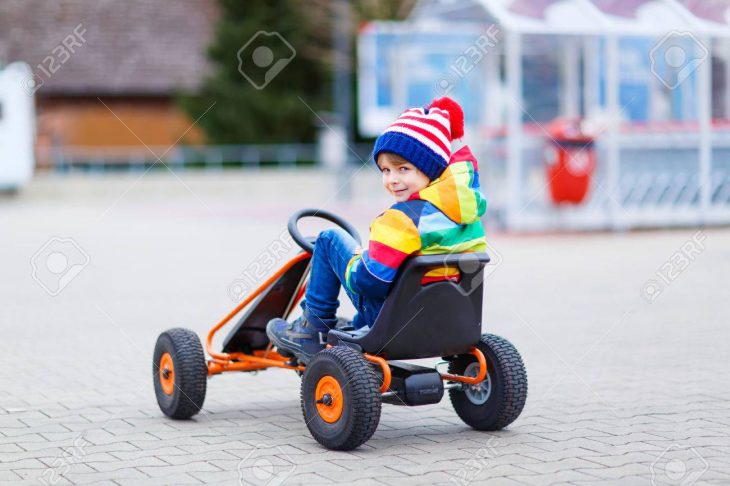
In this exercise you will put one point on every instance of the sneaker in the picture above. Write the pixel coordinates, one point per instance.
(360, 332)
(356, 333)
(296, 337)
(344, 324)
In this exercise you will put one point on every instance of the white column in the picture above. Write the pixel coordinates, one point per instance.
(726, 113)
(514, 125)
(398, 63)
(704, 114)
(590, 75)
(493, 103)
(612, 109)
(569, 67)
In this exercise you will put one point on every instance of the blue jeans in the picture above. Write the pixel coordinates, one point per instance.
(332, 251)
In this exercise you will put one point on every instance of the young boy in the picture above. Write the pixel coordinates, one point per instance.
(437, 210)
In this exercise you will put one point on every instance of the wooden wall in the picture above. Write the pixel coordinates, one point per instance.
(87, 122)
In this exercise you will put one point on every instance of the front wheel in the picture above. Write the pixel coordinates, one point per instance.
(340, 398)
(179, 373)
(497, 401)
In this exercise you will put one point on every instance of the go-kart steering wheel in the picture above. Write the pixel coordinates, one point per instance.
(307, 243)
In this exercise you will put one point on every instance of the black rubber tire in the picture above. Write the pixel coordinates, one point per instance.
(508, 386)
(191, 373)
(360, 393)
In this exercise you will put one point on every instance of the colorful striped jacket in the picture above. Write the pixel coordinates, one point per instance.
(444, 217)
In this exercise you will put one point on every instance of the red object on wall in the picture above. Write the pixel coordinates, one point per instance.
(570, 161)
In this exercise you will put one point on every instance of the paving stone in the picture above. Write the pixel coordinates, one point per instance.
(490, 470)
(370, 482)
(436, 477)
(134, 453)
(24, 439)
(9, 476)
(560, 477)
(627, 470)
(9, 464)
(135, 463)
(381, 473)
(355, 464)
(129, 474)
(310, 478)
(176, 479)
(162, 472)
(552, 467)
(182, 459)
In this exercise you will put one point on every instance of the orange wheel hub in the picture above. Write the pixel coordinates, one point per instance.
(167, 374)
(328, 396)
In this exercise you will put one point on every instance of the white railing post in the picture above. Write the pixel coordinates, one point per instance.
(704, 93)
(613, 149)
(514, 125)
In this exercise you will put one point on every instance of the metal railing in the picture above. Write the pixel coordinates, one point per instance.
(658, 183)
(215, 157)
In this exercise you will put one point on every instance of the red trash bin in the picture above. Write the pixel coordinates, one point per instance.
(570, 160)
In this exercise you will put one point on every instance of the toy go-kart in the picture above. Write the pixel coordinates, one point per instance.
(344, 385)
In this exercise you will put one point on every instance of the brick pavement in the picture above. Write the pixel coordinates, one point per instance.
(623, 389)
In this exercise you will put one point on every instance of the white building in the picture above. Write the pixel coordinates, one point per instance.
(17, 126)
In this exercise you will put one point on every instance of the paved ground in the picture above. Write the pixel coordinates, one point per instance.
(625, 338)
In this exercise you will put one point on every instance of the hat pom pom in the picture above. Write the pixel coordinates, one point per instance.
(456, 115)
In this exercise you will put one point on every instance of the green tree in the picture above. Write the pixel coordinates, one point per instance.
(280, 111)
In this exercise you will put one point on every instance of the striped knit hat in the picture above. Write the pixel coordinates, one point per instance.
(423, 136)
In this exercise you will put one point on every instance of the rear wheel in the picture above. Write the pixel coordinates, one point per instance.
(179, 373)
(497, 401)
(340, 398)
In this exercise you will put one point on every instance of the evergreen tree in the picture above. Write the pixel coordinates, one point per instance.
(280, 112)
(275, 113)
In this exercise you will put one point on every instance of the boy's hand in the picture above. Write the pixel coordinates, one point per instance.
(358, 250)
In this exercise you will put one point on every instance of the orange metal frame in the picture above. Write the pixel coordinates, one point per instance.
(262, 359)
(471, 380)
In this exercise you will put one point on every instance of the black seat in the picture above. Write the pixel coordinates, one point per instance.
(424, 321)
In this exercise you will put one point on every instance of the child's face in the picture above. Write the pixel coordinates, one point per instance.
(400, 177)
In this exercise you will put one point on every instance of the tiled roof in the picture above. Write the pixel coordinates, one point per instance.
(132, 47)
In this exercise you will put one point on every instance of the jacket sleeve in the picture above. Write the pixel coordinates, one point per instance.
(393, 237)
